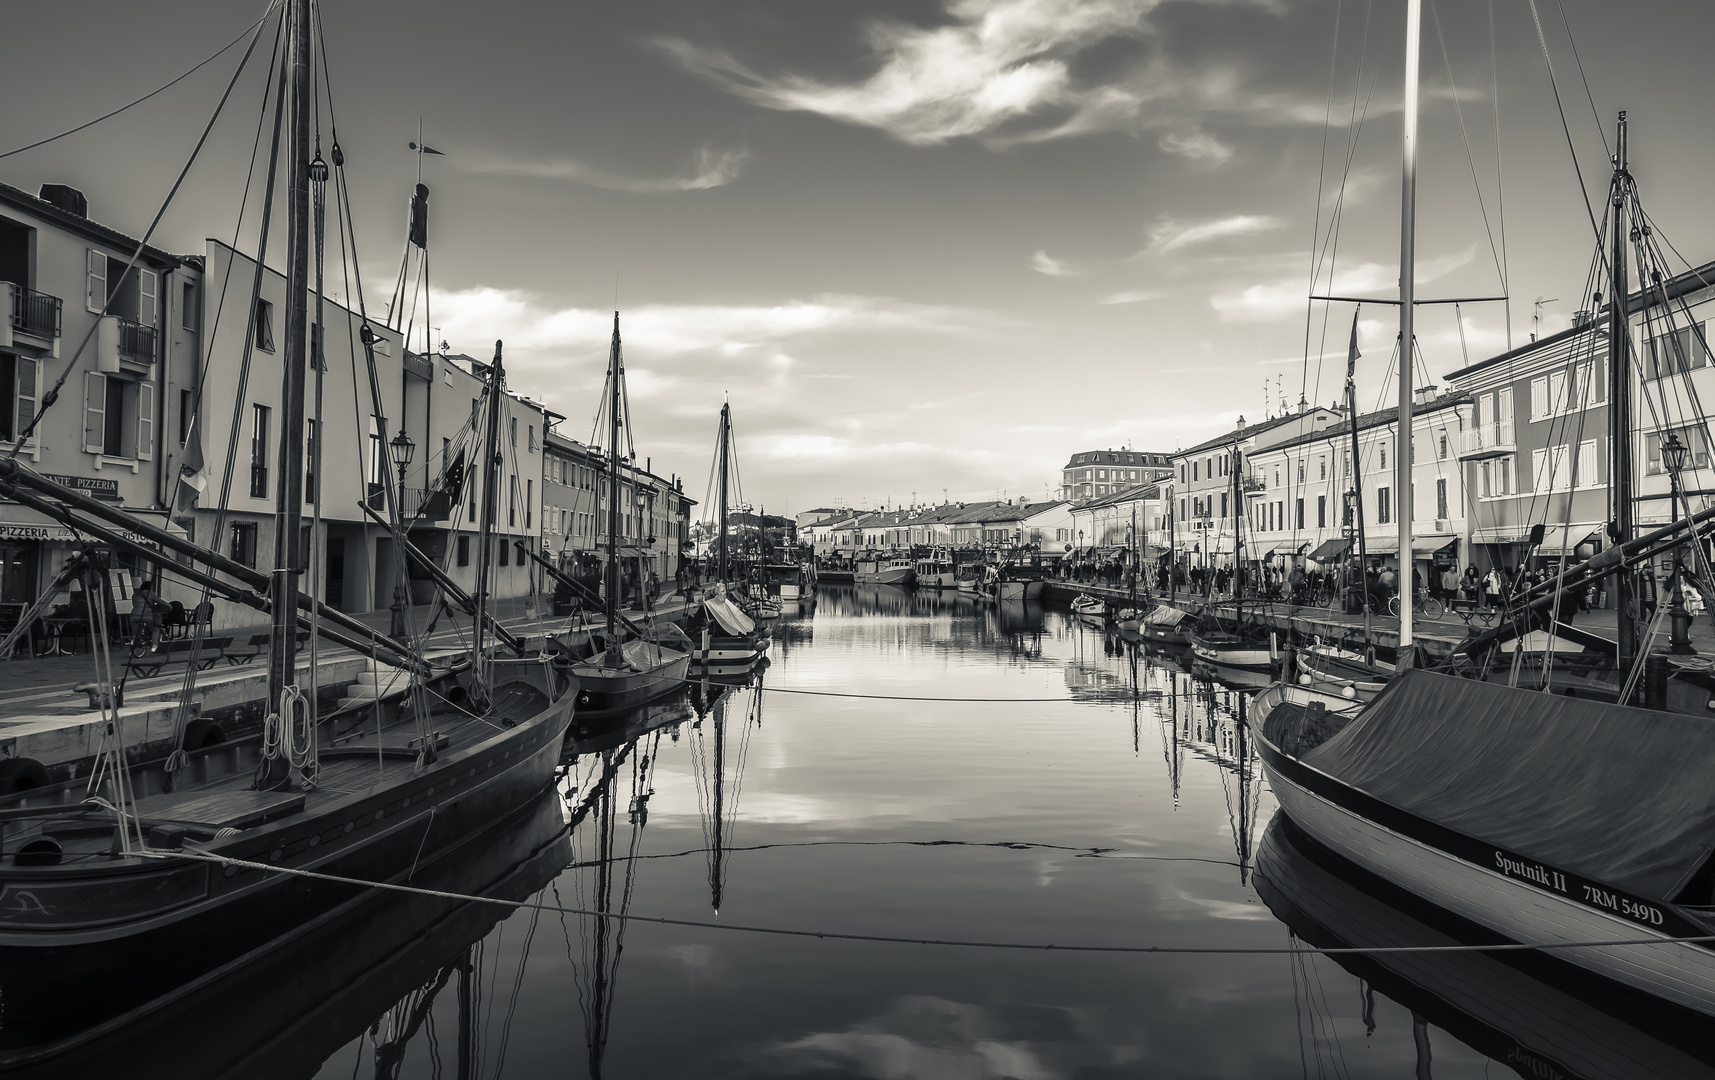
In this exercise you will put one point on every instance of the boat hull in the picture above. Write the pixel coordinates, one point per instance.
(605, 692)
(1245, 655)
(897, 575)
(66, 930)
(1416, 856)
(1020, 590)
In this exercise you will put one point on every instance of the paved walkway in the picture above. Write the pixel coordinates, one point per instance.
(30, 685)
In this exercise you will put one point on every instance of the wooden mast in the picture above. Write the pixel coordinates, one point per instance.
(1403, 502)
(288, 517)
(726, 442)
(1620, 401)
(490, 503)
(615, 656)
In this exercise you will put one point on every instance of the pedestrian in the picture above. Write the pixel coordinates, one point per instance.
(1492, 588)
(1450, 584)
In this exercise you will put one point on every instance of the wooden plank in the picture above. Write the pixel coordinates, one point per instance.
(239, 808)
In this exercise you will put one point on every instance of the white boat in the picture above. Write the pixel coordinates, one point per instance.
(935, 572)
(1230, 650)
(1340, 669)
(1164, 625)
(1085, 606)
(1544, 819)
(885, 572)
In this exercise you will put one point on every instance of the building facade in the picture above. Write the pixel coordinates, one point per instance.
(655, 514)
(1091, 474)
(121, 344)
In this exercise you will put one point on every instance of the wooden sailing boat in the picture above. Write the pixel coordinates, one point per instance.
(1542, 819)
(201, 876)
(624, 664)
(726, 638)
(1237, 648)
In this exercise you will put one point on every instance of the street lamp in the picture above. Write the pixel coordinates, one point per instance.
(403, 449)
(1673, 453)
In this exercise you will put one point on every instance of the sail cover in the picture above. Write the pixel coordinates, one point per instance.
(1621, 795)
(727, 614)
(1164, 616)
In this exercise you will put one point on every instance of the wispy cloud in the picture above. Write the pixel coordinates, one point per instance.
(1043, 263)
(710, 168)
(1197, 146)
(1169, 235)
(1284, 297)
(1136, 296)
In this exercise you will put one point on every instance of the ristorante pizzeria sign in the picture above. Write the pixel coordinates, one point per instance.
(53, 532)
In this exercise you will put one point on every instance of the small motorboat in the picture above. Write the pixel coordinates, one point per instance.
(1090, 608)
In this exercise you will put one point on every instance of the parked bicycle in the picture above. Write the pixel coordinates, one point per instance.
(1421, 601)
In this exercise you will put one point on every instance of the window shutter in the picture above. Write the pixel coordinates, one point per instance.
(29, 389)
(97, 298)
(145, 421)
(147, 306)
(94, 411)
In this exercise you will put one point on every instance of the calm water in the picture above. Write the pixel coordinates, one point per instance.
(1117, 811)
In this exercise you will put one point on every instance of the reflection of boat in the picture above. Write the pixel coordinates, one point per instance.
(283, 1009)
(885, 572)
(1529, 1011)
(1235, 677)
(718, 757)
(1544, 819)
(1019, 615)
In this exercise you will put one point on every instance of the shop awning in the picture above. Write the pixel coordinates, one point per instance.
(1152, 553)
(1569, 537)
(1330, 549)
(628, 551)
(1420, 545)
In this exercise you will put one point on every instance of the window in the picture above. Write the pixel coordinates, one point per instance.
(1223, 504)
(1538, 398)
(1441, 448)
(532, 438)
(464, 551)
(512, 502)
(258, 451)
(1322, 468)
(1301, 470)
(309, 460)
(118, 415)
(244, 543)
(1441, 498)
(1383, 509)
(1194, 470)
(1504, 405)
(1414, 449)
(1695, 439)
(1321, 511)
(318, 362)
(188, 308)
(1299, 516)
(512, 429)
(264, 325)
(1384, 455)
(18, 391)
(1677, 350)
(187, 411)
(1182, 514)
(505, 553)
(1483, 479)
(1549, 471)
(96, 292)
(1588, 474)
(529, 495)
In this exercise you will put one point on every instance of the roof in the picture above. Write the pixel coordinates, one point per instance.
(82, 226)
(1248, 431)
(1379, 418)
(1701, 277)
(1118, 457)
(1125, 495)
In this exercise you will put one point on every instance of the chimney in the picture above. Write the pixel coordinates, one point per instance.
(66, 198)
(1425, 394)
(1580, 319)
(1241, 422)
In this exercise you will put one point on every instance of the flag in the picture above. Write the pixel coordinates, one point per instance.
(425, 148)
(420, 216)
(193, 479)
(1352, 352)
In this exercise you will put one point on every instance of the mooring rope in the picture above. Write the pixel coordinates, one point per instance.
(891, 939)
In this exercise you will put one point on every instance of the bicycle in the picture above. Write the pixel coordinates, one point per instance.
(1429, 606)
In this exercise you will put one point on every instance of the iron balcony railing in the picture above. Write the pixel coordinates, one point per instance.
(35, 313)
(137, 342)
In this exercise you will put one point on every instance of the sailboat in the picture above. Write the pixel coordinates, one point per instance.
(623, 664)
(199, 876)
(726, 638)
(1238, 648)
(1546, 820)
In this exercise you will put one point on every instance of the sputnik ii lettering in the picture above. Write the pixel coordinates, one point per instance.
(1542, 875)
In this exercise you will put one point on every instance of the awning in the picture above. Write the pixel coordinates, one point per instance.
(1420, 545)
(1153, 553)
(627, 551)
(1331, 549)
(1570, 537)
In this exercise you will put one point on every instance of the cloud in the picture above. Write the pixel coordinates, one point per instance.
(1136, 296)
(1008, 71)
(709, 169)
(1285, 297)
(1168, 235)
(1196, 146)
(1043, 263)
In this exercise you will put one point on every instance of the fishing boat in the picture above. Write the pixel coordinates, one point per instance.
(936, 572)
(430, 752)
(878, 571)
(782, 582)
(1165, 625)
(621, 664)
(1530, 1011)
(968, 576)
(1090, 608)
(1225, 648)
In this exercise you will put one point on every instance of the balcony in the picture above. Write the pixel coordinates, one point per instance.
(33, 319)
(128, 347)
(1487, 441)
(1254, 487)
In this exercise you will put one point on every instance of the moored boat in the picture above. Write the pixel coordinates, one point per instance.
(885, 572)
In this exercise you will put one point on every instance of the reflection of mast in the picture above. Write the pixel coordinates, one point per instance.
(717, 796)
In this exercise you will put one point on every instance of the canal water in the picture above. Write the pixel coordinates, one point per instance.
(912, 766)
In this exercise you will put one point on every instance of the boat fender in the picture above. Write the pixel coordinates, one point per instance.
(203, 732)
(1348, 692)
(42, 851)
(21, 774)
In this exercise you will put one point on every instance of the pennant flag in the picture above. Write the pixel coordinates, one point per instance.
(1352, 352)
(420, 216)
(425, 148)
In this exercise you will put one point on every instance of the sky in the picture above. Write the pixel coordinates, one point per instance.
(926, 248)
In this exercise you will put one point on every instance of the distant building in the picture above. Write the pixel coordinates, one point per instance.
(1094, 473)
(655, 518)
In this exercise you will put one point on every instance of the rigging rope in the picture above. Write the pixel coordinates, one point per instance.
(890, 939)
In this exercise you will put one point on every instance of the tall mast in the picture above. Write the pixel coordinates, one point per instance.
(490, 503)
(1356, 476)
(1620, 398)
(726, 442)
(1403, 503)
(613, 370)
(288, 517)
(1238, 554)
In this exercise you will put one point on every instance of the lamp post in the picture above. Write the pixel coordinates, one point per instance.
(403, 449)
(1673, 453)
